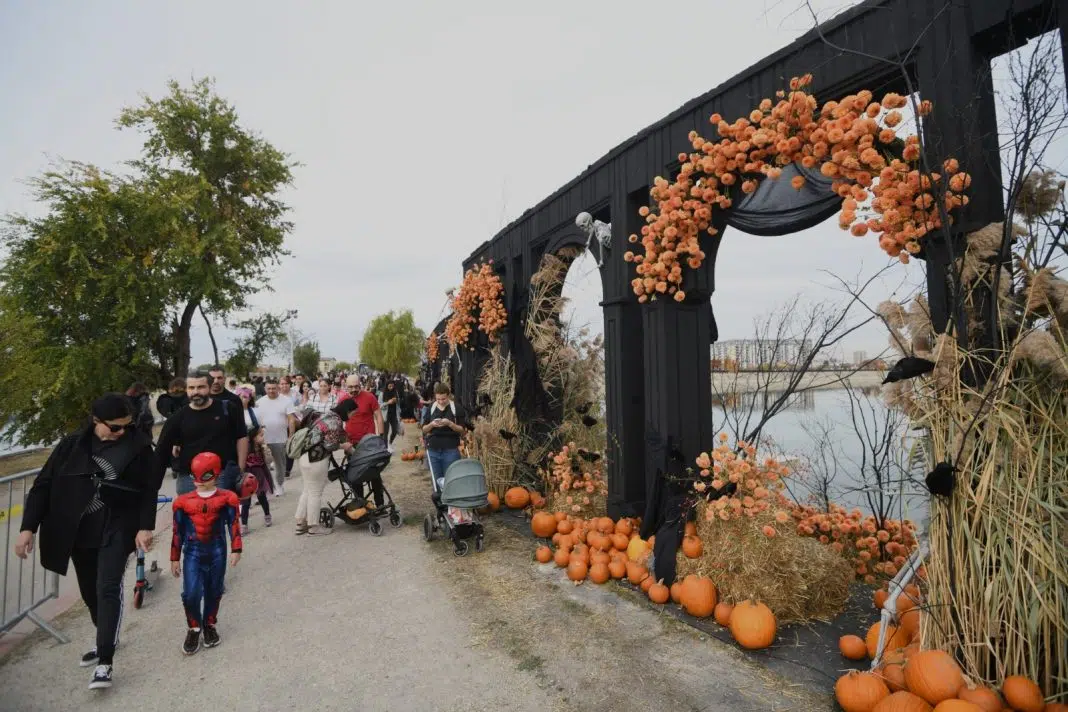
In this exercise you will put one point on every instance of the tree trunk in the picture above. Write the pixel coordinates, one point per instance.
(182, 331)
(211, 335)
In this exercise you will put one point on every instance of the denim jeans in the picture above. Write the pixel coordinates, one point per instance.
(441, 459)
(203, 576)
(227, 480)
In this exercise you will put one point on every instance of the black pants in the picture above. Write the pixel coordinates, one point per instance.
(377, 491)
(100, 571)
(392, 425)
(246, 505)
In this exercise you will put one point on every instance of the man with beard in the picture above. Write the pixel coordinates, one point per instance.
(206, 424)
(218, 390)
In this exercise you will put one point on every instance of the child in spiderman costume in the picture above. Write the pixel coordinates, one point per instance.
(201, 519)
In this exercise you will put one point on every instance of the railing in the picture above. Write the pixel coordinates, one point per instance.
(26, 584)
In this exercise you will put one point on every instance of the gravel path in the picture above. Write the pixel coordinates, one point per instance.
(354, 622)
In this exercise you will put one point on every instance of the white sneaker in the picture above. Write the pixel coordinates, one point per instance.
(389, 449)
(279, 490)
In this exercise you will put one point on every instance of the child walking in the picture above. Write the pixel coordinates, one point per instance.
(258, 463)
(201, 519)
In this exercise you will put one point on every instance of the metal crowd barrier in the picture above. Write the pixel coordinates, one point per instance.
(26, 583)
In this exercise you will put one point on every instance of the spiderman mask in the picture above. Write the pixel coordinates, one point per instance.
(205, 467)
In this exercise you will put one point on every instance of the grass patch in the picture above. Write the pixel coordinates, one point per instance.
(413, 519)
(531, 663)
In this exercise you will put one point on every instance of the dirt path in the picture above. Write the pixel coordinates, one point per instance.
(354, 622)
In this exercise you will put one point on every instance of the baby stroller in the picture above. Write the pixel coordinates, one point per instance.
(360, 476)
(456, 497)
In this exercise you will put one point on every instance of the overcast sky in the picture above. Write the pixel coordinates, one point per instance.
(422, 128)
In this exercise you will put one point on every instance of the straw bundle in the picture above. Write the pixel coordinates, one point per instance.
(796, 577)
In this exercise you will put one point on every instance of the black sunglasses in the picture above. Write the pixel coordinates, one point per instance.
(117, 428)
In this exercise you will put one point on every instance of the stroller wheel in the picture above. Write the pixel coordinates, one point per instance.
(428, 528)
(326, 518)
(461, 547)
(139, 596)
(395, 519)
(375, 528)
(480, 543)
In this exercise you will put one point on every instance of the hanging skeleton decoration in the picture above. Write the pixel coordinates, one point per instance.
(595, 230)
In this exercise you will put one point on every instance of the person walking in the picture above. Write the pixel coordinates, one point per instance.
(326, 435)
(366, 418)
(205, 425)
(274, 411)
(442, 426)
(391, 404)
(323, 399)
(93, 502)
(170, 402)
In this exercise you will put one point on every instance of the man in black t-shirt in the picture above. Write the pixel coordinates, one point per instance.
(206, 424)
(218, 390)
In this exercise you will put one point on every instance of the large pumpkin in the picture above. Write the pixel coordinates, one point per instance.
(895, 638)
(753, 625)
(637, 549)
(543, 524)
(902, 702)
(955, 705)
(852, 647)
(933, 675)
(516, 498)
(698, 596)
(983, 697)
(1022, 694)
(856, 691)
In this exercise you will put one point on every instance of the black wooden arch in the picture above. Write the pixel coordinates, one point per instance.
(658, 396)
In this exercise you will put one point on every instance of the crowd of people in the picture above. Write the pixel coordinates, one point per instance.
(95, 500)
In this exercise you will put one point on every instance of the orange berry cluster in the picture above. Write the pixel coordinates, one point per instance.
(477, 302)
(873, 550)
(574, 489)
(432, 347)
(853, 141)
(757, 482)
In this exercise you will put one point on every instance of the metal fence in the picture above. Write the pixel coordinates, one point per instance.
(26, 583)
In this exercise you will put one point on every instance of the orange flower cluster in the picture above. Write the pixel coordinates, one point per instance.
(477, 301)
(758, 482)
(872, 550)
(432, 347)
(853, 141)
(575, 491)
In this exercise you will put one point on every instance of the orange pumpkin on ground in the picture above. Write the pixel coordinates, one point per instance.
(599, 557)
(676, 592)
(852, 647)
(895, 638)
(605, 525)
(619, 542)
(933, 675)
(624, 527)
(494, 501)
(880, 598)
(516, 498)
(617, 569)
(910, 622)
(563, 526)
(537, 501)
(983, 697)
(577, 570)
(859, 691)
(544, 555)
(722, 613)
(902, 702)
(559, 516)
(691, 547)
(698, 596)
(646, 583)
(599, 572)
(659, 593)
(1022, 694)
(753, 625)
(562, 557)
(893, 674)
(1055, 707)
(955, 705)
(690, 530)
(636, 573)
(543, 525)
(637, 549)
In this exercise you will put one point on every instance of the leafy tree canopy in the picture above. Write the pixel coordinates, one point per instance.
(262, 335)
(393, 343)
(306, 358)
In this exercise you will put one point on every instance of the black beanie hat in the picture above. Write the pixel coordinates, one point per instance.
(345, 408)
(112, 406)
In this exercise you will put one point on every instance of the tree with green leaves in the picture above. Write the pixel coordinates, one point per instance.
(344, 366)
(306, 358)
(393, 343)
(222, 182)
(262, 335)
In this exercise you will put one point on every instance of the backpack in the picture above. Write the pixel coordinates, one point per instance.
(297, 443)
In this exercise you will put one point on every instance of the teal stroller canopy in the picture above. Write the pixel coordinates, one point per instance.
(465, 485)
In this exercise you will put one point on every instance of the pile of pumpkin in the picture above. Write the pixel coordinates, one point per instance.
(409, 421)
(600, 549)
(410, 455)
(914, 680)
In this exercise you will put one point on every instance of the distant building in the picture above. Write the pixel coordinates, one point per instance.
(758, 353)
(859, 357)
(326, 365)
(269, 371)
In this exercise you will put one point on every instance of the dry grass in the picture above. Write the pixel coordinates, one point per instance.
(798, 578)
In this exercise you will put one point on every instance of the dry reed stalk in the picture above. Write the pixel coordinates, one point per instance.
(798, 578)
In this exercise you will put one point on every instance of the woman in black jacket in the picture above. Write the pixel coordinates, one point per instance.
(93, 500)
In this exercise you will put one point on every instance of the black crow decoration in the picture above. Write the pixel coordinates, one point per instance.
(507, 435)
(583, 409)
(908, 367)
(589, 421)
(589, 456)
(712, 494)
(941, 479)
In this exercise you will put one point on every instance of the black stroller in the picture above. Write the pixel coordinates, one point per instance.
(461, 492)
(360, 476)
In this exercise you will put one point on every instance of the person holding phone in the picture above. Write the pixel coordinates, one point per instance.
(443, 425)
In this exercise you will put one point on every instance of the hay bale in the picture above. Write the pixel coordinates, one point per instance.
(798, 578)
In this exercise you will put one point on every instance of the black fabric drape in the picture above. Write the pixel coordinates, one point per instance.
(529, 399)
(777, 208)
(665, 507)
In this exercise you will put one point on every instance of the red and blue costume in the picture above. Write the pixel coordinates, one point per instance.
(200, 526)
